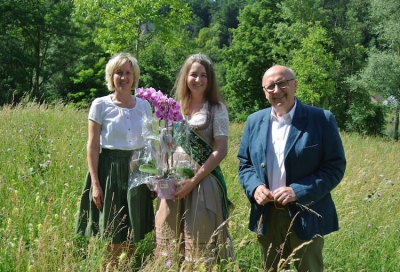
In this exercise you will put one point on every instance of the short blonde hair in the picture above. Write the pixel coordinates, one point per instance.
(115, 63)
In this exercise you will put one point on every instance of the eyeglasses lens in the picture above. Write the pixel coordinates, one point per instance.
(281, 85)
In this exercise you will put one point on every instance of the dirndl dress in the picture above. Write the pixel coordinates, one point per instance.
(127, 214)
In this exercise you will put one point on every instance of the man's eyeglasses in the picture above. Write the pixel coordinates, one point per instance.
(283, 84)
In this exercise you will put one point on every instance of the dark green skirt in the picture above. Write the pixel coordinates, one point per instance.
(127, 214)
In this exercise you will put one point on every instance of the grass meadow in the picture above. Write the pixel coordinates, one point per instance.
(43, 165)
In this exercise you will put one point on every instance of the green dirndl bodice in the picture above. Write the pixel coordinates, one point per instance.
(127, 214)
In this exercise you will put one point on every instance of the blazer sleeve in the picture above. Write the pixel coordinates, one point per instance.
(250, 177)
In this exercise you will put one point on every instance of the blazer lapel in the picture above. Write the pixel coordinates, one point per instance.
(298, 123)
(264, 128)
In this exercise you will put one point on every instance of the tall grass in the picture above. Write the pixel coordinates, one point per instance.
(43, 165)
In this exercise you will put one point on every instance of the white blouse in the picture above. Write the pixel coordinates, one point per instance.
(121, 128)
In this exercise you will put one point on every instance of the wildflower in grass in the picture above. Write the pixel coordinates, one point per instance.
(389, 182)
(8, 149)
(20, 130)
(71, 166)
(378, 195)
(381, 176)
(364, 174)
(369, 226)
(122, 257)
(367, 199)
(168, 264)
(48, 162)
(15, 211)
(50, 140)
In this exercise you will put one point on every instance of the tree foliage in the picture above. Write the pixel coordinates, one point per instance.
(129, 25)
(248, 57)
(314, 65)
(37, 41)
(339, 49)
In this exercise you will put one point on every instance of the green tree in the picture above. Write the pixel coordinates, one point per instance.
(364, 117)
(382, 71)
(382, 75)
(128, 26)
(314, 66)
(87, 80)
(349, 28)
(248, 57)
(37, 41)
(160, 64)
(386, 16)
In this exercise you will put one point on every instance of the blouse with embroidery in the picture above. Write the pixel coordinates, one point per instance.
(208, 123)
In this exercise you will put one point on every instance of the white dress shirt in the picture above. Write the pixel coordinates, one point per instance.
(277, 137)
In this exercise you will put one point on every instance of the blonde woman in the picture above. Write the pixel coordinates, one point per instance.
(108, 207)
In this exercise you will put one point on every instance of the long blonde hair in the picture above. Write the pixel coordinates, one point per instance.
(182, 92)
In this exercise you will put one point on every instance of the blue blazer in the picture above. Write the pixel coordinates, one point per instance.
(315, 163)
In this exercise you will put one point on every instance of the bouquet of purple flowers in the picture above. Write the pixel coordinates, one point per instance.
(153, 165)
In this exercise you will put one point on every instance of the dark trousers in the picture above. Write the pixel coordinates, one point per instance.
(280, 242)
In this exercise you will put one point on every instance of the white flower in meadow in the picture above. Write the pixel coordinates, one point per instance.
(381, 176)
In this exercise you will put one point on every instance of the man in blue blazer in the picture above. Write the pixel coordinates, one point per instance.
(290, 158)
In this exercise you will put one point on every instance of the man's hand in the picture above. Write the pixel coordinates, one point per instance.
(284, 195)
(263, 195)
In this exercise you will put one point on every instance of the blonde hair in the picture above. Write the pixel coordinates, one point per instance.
(115, 63)
(182, 92)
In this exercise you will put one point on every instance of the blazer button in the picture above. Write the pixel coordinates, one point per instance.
(262, 165)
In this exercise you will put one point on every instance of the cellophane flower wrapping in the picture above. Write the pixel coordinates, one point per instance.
(159, 164)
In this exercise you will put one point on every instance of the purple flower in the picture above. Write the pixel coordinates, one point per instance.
(165, 108)
(168, 264)
(48, 162)
(155, 96)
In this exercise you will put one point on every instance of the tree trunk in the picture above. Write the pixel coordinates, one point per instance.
(396, 123)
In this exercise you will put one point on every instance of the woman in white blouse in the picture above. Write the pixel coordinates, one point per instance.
(108, 207)
(196, 216)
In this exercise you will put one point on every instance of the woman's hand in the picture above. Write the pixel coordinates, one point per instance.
(98, 196)
(184, 188)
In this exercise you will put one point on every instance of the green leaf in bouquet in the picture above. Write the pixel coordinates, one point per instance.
(148, 168)
(184, 172)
